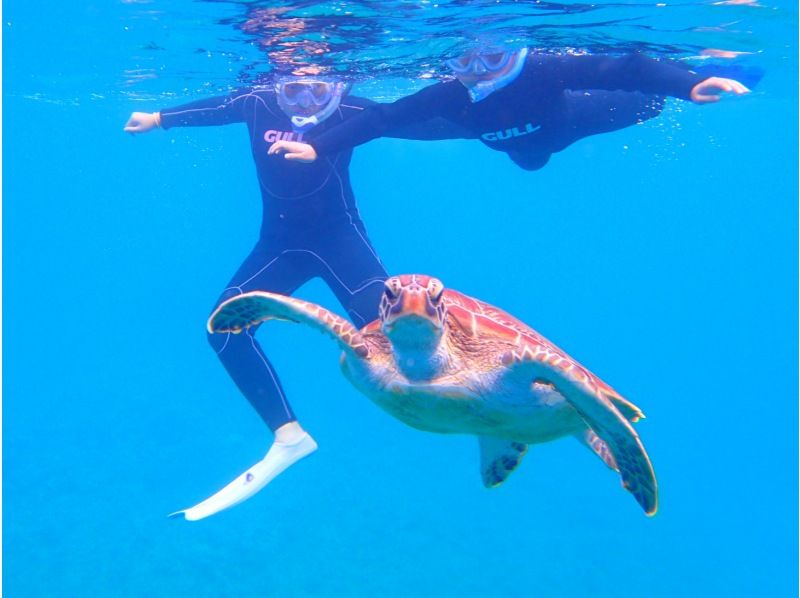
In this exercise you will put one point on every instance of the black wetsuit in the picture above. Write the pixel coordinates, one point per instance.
(553, 102)
(310, 228)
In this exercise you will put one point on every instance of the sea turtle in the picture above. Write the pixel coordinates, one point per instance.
(441, 361)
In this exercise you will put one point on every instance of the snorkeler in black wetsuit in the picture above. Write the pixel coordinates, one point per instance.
(310, 228)
(528, 105)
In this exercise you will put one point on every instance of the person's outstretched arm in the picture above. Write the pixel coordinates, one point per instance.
(633, 72)
(204, 113)
(379, 120)
(434, 129)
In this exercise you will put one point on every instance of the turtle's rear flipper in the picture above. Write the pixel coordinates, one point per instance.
(499, 458)
(249, 309)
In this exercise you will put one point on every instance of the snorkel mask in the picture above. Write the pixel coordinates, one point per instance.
(302, 94)
(479, 64)
(496, 67)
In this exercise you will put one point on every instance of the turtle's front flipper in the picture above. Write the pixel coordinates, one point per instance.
(587, 396)
(249, 309)
(499, 458)
(598, 446)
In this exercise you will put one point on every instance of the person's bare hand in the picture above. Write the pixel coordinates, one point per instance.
(293, 150)
(709, 90)
(142, 122)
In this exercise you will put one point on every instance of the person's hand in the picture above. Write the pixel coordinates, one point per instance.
(708, 91)
(294, 150)
(142, 122)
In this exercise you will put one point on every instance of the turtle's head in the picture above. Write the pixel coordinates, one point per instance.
(412, 311)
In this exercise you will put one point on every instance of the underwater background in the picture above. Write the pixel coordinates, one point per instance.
(663, 257)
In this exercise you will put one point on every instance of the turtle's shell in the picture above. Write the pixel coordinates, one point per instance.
(490, 331)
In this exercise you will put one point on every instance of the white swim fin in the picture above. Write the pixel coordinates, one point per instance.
(278, 458)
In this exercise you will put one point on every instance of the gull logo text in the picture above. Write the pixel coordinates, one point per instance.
(272, 136)
(509, 133)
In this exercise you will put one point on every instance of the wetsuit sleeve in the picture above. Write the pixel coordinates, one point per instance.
(633, 72)
(380, 119)
(210, 112)
(429, 130)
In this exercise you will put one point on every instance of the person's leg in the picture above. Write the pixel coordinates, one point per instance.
(265, 269)
(279, 272)
(353, 271)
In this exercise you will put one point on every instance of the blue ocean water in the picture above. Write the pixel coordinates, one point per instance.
(662, 256)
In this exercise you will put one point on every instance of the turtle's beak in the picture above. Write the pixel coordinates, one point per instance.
(418, 303)
(413, 318)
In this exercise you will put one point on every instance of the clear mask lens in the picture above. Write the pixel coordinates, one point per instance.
(479, 64)
(305, 93)
(495, 62)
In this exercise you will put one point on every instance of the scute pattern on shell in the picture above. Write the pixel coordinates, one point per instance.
(482, 319)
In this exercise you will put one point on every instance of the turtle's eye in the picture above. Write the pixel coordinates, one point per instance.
(391, 288)
(435, 290)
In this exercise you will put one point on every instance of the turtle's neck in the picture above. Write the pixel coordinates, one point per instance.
(418, 351)
(419, 366)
